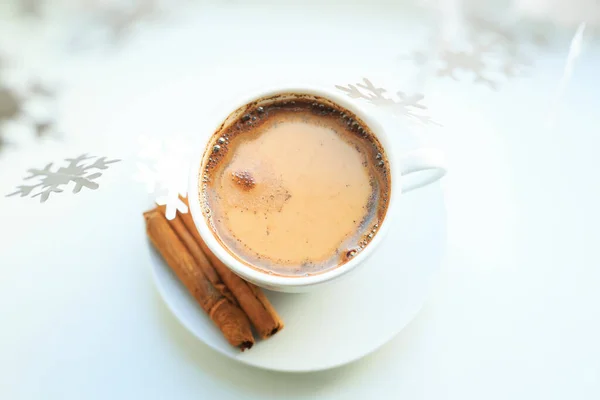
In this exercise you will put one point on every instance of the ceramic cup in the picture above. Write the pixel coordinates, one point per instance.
(424, 165)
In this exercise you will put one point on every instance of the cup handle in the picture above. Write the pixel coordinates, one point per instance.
(424, 165)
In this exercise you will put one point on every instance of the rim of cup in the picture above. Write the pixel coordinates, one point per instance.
(263, 278)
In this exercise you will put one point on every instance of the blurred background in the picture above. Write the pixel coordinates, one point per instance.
(512, 86)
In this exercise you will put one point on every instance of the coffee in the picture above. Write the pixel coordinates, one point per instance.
(294, 185)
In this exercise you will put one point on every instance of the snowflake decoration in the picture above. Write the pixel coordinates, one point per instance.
(488, 52)
(27, 8)
(30, 7)
(566, 14)
(111, 21)
(404, 105)
(16, 106)
(119, 19)
(76, 171)
(163, 168)
(471, 61)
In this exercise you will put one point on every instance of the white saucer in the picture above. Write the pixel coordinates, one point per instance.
(347, 320)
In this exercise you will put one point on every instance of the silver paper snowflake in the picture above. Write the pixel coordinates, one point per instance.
(30, 7)
(120, 20)
(109, 22)
(163, 168)
(488, 52)
(76, 171)
(562, 13)
(15, 106)
(470, 61)
(404, 105)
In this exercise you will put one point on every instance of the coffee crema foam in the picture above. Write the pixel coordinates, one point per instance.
(294, 185)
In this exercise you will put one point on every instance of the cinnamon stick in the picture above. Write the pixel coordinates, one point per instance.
(230, 319)
(194, 248)
(251, 299)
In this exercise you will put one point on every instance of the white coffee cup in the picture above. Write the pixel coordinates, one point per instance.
(430, 161)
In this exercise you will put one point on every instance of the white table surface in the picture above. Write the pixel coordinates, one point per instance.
(515, 312)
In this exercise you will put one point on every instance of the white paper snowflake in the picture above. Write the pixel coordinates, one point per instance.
(163, 167)
(484, 50)
(404, 105)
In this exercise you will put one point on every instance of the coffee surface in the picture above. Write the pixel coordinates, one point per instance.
(295, 187)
